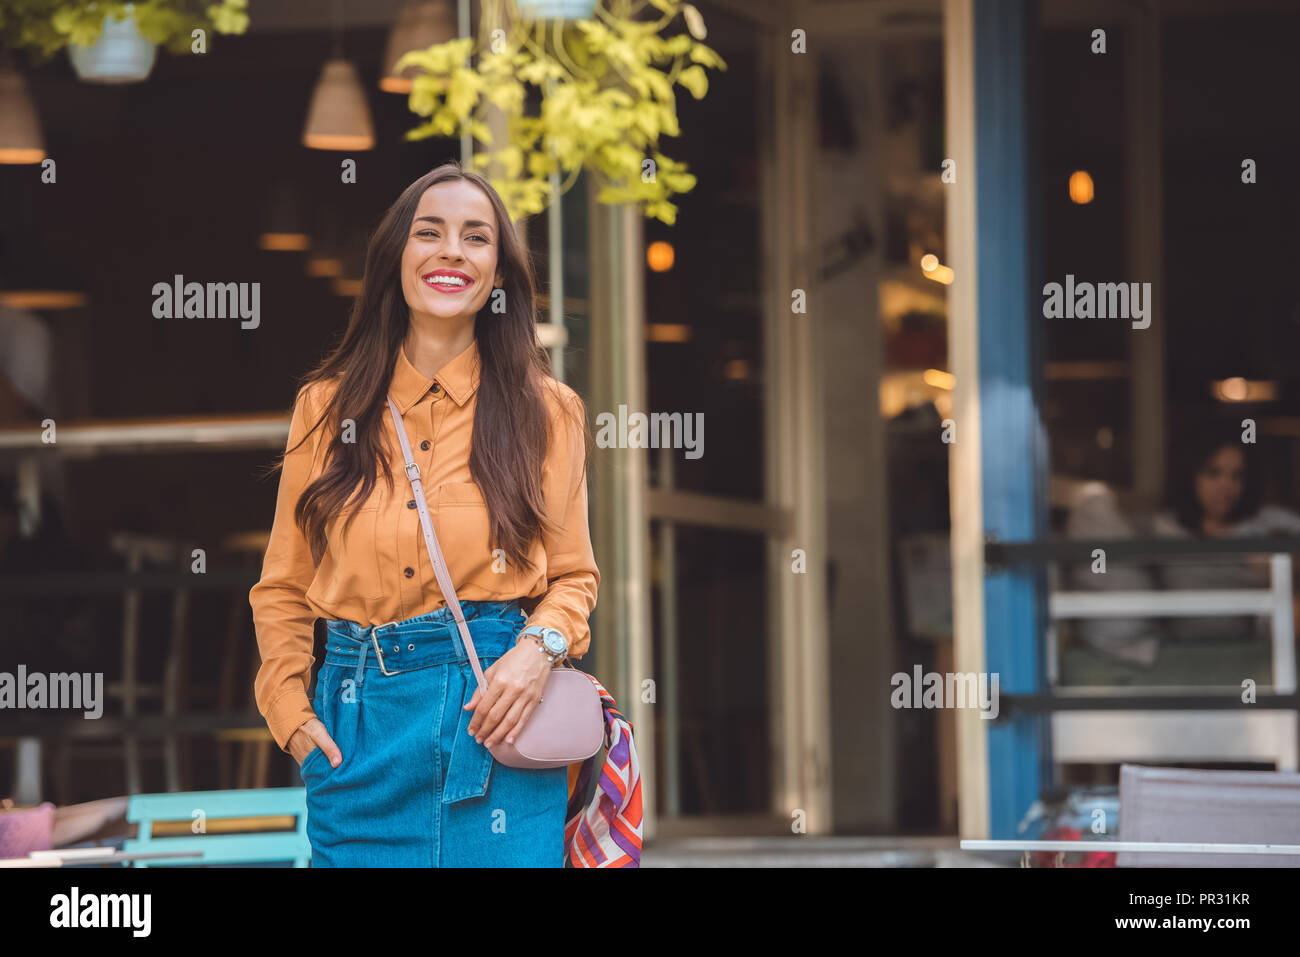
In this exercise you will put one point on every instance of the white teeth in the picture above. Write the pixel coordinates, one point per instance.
(446, 281)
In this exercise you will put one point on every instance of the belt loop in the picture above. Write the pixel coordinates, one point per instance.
(453, 631)
(360, 674)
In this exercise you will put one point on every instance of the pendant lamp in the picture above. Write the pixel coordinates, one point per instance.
(339, 116)
(420, 24)
(20, 128)
(325, 260)
(31, 276)
(285, 229)
(348, 284)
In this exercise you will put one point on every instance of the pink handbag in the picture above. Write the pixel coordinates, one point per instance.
(568, 725)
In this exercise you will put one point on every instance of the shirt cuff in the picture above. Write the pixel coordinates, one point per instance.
(287, 714)
(557, 621)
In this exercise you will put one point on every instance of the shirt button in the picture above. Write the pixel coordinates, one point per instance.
(436, 388)
(411, 504)
(424, 446)
(408, 572)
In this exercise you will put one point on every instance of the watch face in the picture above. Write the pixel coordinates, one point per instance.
(554, 641)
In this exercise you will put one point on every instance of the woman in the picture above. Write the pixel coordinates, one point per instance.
(1217, 493)
(394, 749)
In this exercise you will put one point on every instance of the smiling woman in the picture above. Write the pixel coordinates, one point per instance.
(500, 447)
(466, 205)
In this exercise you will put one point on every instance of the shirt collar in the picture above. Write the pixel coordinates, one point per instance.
(458, 379)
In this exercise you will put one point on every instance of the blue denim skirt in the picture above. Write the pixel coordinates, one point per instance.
(414, 788)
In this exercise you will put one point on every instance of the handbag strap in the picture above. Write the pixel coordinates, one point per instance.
(431, 543)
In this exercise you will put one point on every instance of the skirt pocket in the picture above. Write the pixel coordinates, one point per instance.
(326, 706)
(305, 768)
(470, 766)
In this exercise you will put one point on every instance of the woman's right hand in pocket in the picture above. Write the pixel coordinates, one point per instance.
(310, 736)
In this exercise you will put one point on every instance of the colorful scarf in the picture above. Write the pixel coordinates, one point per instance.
(603, 818)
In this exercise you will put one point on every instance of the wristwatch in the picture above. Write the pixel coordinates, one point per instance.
(552, 641)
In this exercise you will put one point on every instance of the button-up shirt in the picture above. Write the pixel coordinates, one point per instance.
(377, 570)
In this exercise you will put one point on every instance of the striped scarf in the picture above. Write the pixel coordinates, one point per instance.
(603, 819)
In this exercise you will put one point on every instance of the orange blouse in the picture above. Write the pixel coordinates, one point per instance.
(378, 569)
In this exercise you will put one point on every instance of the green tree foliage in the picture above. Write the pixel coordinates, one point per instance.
(45, 27)
(606, 91)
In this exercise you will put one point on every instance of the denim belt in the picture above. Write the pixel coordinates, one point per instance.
(422, 642)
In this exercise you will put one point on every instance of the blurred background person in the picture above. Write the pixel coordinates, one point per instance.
(1097, 516)
(26, 400)
(1216, 491)
(25, 366)
(35, 539)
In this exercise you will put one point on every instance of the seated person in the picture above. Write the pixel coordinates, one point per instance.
(1097, 516)
(1215, 493)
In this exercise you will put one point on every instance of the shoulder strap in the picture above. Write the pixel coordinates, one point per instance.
(431, 543)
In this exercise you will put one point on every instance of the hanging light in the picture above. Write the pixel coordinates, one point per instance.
(285, 228)
(339, 117)
(1238, 389)
(1081, 188)
(20, 128)
(325, 261)
(659, 256)
(30, 276)
(120, 55)
(667, 332)
(420, 24)
(348, 283)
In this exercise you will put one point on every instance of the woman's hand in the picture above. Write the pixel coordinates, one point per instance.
(514, 689)
(312, 734)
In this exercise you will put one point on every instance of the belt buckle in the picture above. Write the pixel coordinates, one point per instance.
(379, 654)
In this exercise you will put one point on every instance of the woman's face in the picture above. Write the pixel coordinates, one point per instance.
(1220, 481)
(449, 265)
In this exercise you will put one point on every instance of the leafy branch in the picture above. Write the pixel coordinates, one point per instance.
(47, 26)
(606, 91)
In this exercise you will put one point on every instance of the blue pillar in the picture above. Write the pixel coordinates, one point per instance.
(1013, 463)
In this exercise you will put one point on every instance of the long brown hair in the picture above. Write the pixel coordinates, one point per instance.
(510, 434)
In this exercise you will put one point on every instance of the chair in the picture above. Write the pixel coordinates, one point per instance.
(1266, 735)
(1172, 805)
(243, 754)
(261, 826)
(139, 554)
